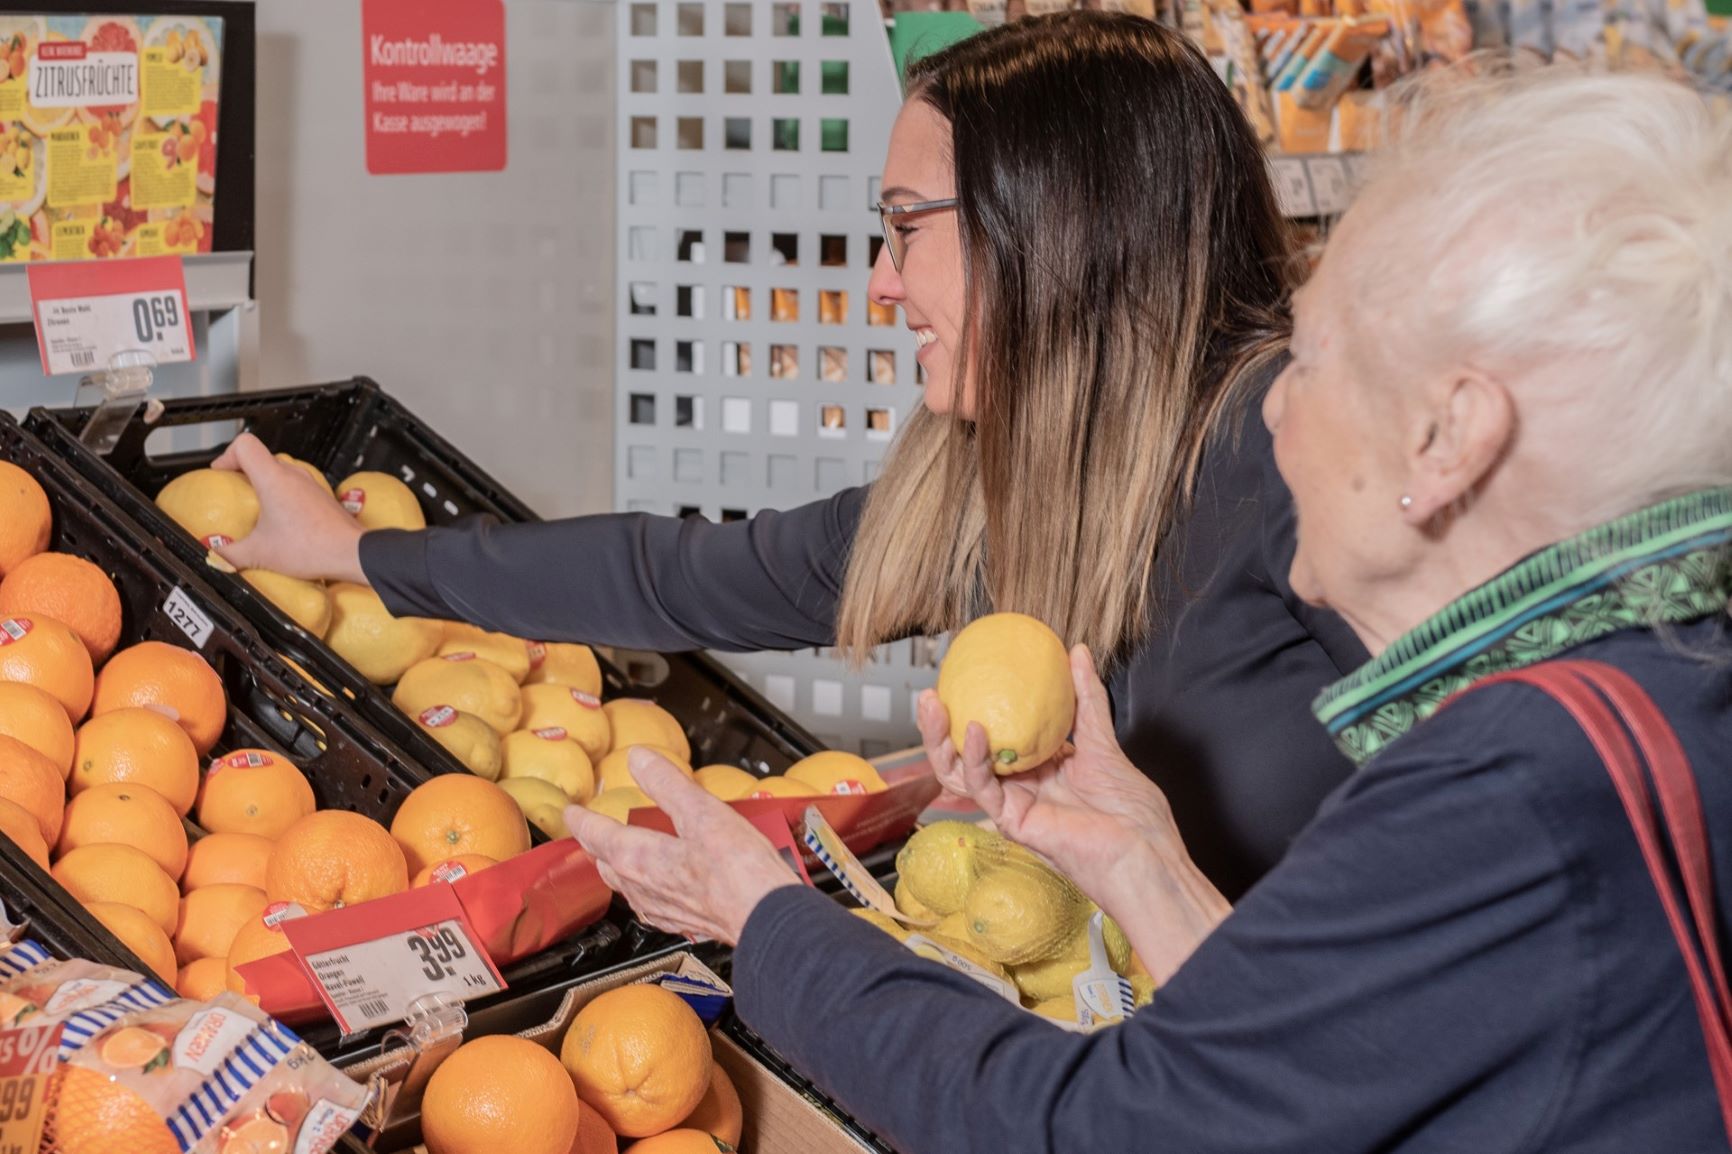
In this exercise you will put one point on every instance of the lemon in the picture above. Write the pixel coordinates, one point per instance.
(1021, 913)
(1011, 674)
(638, 722)
(954, 926)
(615, 772)
(467, 738)
(305, 602)
(214, 505)
(911, 905)
(307, 469)
(940, 863)
(577, 711)
(1049, 978)
(728, 782)
(468, 684)
(563, 663)
(883, 921)
(380, 646)
(836, 772)
(552, 759)
(617, 803)
(543, 803)
(505, 651)
(777, 786)
(1061, 1008)
(380, 501)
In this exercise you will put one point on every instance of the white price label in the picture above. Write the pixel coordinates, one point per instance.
(80, 335)
(371, 983)
(1330, 184)
(189, 617)
(87, 311)
(1293, 187)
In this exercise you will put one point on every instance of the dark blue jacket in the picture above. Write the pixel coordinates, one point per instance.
(1462, 954)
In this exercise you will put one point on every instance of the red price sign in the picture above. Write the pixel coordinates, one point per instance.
(86, 311)
(434, 72)
(371, 962)
(27, 1060)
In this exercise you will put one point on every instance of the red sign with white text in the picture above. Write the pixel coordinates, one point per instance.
(434, 72)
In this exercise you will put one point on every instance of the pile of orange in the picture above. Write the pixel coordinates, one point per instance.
(635, 1064)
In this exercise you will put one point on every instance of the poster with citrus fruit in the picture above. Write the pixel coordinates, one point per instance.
(108, 135)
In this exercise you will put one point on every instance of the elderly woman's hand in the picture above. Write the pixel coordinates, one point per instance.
(705, 882)
(1095, 816)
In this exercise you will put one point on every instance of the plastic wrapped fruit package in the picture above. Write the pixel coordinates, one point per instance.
(83, 996)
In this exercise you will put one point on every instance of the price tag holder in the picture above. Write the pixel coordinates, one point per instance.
(186, 614)
(87, 311)
(28, 1056)
(1331, 184)
(370, 963)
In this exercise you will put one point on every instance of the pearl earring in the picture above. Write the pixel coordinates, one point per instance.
(1406, 501)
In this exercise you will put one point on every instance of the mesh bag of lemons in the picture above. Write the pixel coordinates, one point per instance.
(1005, 911)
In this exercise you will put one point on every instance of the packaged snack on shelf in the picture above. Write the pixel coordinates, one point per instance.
(1317, 33)
(1301, 130)
(1337, 62)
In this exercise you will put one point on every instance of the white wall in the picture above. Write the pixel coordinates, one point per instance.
(482, 300)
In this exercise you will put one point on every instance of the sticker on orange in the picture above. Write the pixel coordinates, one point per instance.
(466, 655)
(15, 629)
(450, 871)
(354, 500)
(279, 912)
(551, 733)
(587, 700)
(217, 541)
(247, 759)
(537, 655)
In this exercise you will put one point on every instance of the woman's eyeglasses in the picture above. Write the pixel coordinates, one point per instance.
(887, 214)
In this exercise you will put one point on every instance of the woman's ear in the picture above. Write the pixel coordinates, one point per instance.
(1469, 426)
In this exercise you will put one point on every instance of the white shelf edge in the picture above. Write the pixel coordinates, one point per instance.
(215, 282)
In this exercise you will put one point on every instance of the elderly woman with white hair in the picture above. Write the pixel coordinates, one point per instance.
(1507, 432)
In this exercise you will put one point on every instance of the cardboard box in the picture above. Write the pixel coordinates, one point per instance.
(778, 1118)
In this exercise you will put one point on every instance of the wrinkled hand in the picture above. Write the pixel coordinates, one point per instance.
(703, 883)
(302, 531)
(1086, 810)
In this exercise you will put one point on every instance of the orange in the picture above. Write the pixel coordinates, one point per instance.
(834, 771)
(335, 858)
(640, 1056)
(119, 814)
(564, 663)
(255, 940)
(593, 1134)
(719, 1113)
(157, 673)
(120, 873)
(25, 520)
(637, 722)
(499, 1093)
(682, 1142)
(93, 1115)
(136, 746)
(17, 824)
(211, 917)
(457, 814)
(253, 791)
(217, 858)
(203, 979)
(778, 786)
(727, 782)
(452, 869)
(40, 651)
(38, 720)
(131, 1048)
(72, 591)
(139, 934)
(30, 781)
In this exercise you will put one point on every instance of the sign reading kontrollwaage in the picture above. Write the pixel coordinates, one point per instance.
(435, 85)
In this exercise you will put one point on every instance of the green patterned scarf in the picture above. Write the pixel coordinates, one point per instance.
(1667, 564)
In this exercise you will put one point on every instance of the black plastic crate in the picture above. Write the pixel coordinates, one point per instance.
(349, 764)
(353, 425)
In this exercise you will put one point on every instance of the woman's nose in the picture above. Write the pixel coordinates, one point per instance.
(885, 287)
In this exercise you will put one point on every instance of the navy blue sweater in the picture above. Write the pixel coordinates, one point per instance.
(1462, 953)
(1214, 707)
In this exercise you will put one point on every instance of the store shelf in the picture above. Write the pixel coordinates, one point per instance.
(1315, 185)
(215, 282)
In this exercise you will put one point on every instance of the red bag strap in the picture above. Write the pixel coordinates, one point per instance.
(1610, 707)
